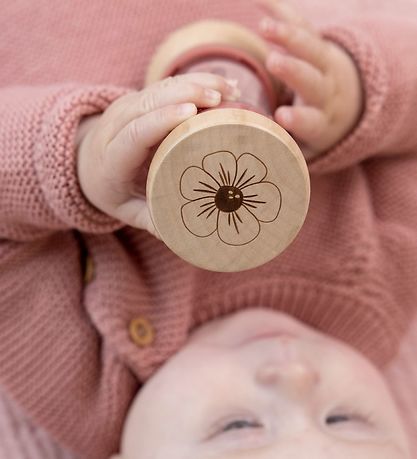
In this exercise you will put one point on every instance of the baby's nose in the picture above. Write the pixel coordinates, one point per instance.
(297, 379)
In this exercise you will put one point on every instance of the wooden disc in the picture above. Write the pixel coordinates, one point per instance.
(228, 190)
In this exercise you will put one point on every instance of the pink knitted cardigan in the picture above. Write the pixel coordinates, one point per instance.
(68, 367)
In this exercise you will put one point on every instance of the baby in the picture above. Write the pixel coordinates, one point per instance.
(282, 361)
(256, 384)
(259, 384)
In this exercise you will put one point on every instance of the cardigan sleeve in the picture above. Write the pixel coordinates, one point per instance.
(383, 48)
(22, 439)
(39, 188)
(56, 364)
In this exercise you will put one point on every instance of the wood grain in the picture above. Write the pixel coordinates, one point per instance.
(228, 190)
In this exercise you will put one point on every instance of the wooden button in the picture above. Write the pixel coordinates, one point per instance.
(141, 331)
(88, 270)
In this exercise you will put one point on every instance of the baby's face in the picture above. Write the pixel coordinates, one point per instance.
(261, 385)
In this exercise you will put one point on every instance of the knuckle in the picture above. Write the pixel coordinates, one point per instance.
(289, 66)
(125, 99)
(159, 117)
(134, 131)
(326, 52)
(288, 34)
(296, 37)
(166, 82)
(217, 80)
(116, 104)
(113, 109)
(148, 102)
(191, 91)
(182, 87)
(195, 91)
(173, 81)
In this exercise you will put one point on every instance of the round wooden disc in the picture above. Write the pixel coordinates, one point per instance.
(228, 190)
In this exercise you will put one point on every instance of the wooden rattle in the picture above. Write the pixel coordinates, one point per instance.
(228, 189)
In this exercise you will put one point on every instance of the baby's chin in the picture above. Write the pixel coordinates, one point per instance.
(251, 332)
(249, 323)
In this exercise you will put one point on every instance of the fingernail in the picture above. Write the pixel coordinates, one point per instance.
(274, 27)
(187, 109)
(275, 59)
(232, 83)
(212, 96)
(285, 115)
(233, 92)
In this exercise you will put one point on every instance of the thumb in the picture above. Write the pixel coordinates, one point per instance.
(135, 213)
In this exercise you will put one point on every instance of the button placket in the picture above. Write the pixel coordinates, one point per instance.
(89, 270)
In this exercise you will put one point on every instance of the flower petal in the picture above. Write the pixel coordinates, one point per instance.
(221, 165)
(250, 169)
(263, 200)
(196, 184)
(237, 228)
(200, 216)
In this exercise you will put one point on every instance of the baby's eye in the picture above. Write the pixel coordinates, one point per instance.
(241, 424)
(235, 425)
(339, 418)
(335, 418)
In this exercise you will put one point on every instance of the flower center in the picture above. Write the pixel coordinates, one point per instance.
(228, 198)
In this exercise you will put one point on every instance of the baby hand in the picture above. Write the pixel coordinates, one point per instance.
(322, 75)
(113, 146)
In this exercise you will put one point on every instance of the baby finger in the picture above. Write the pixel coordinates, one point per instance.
(135, 212)
(170, 91)
(285, 12)
(297, 41)
(307, 124)
(300, 76)
(129, 149)
(227, 88)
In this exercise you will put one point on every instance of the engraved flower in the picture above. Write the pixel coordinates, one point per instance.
(228, 196)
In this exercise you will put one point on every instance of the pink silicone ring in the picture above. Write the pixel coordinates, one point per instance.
(205, 51)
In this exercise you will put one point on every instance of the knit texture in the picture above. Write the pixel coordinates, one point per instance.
(20, 439)
(68, 367)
